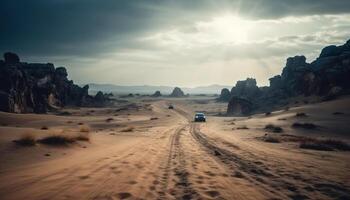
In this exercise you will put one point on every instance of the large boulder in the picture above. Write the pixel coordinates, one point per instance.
(177, 92)
(239, 106)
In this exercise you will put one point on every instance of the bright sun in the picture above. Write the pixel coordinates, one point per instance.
(227, 28)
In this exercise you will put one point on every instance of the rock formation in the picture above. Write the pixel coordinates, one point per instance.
(157, 94)
(239, 106)
(177, 92)
(327, 77)
(225, 95)
(36, 87)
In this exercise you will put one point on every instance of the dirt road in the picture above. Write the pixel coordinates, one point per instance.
(175, 158)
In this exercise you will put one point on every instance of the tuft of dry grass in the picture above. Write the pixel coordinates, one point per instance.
(325, 145)
(273, 128)
(57, 140)
(242, 127)
(82, 137)
(304, 125)
(109, 119)
(271, 139)
(84, 129)
(26, 140)
(128, 129)
(301, 114)
(338, 113)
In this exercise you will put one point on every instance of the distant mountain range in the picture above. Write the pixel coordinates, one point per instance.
(150, 89)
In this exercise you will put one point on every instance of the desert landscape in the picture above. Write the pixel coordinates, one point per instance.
(175, 100)
(144, 150)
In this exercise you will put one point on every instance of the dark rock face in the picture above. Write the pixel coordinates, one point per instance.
(177, 92)
(225, 95)
(36, 87)
(239, 106)
(157, 94)
(246, 89)
(11, 58)
(327, 77)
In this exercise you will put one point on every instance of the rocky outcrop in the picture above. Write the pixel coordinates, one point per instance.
(177, 92)
(37, 87)
(225, 95)
(156, 94)
(327, 77)
(246, 89)
(239, 106)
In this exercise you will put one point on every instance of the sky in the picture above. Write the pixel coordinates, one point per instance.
(167, 42)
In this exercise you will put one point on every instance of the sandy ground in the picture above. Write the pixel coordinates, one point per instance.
(171, 157)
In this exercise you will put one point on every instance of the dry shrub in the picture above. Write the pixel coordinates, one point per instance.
(26, 140)
(273, 128)
(109, 119)
(84, 129)
(242, 127)
(128, 129)
(154, 118)
(44, 128)
(304, 125)
(301, 114)
(325, 145)
(82, 137)
(338, 113)
(57, 140)
(271, 139)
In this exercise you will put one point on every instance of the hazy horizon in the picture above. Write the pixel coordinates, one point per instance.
(171, 43)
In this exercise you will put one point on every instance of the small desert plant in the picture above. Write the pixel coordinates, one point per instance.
(82, 137)
(128, 129)
(242, 127)
(271, 139)
(80, 123)
(57, 140)
(304, 125)
(315, 146)
(65, 113)
(338, 113)
(44, 128)
(84, 129)
(154, 118)
(273, 128)
(26, 140)
(301, 114)
(109, 119)
(337, 144)
(282, 119)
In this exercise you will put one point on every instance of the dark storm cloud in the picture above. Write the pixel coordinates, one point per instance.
(86, 27)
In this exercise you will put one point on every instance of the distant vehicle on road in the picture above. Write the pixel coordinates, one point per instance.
(199, 117)
(171, 107)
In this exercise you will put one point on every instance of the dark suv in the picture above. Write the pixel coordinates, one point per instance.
(199, 117)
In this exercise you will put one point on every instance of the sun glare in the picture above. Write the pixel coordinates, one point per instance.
(228, 28)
